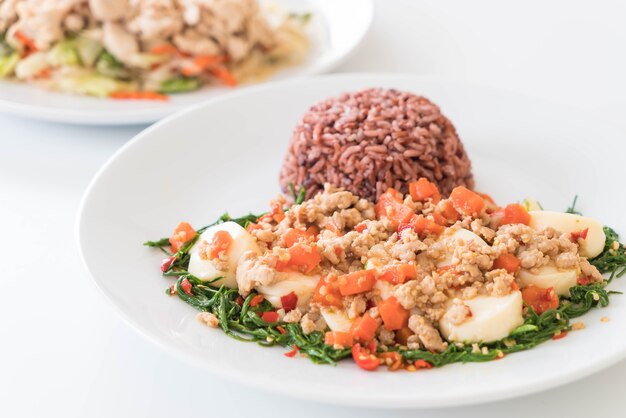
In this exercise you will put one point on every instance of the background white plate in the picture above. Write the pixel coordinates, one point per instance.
(226, 154)
(336, 28)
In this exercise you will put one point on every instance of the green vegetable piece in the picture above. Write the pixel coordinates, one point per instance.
(180, 85)
(109, 66)
(8, 63)
(89, 50)
(64, 53)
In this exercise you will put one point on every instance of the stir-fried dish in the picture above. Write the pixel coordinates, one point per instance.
(145, 49)
(407, 281)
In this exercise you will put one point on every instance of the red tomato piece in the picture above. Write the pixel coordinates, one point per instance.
(364, 358)
(540, 299)
(289, 301)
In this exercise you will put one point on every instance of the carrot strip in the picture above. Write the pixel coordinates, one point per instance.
(138, 95)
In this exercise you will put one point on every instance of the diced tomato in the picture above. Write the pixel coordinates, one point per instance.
(399, 273)
(402, 335)
(327, 292)
(390, 206)
(487, 198)
(422, 190)
(304, 257)
(364, 328)
(220, 243)
(466, 202)
(281, 330)
(172, 289)
(293, 351)
(422, 226)
(256, 300)
(560, 335)
(445, 214)
(181, 235)
(357, 282)
(583, 280)
(186, 286)
(508, 262)
(422, 364)
(540, 299)
(576, 235)
(289, 301)
(277, 214)
(360, 227)
(239, 300)
(514, 285)
(167, 263)
(515, 214)
(364, 358)
(292, 236)
(252, 227)
(269, 316)
(343, 339)
(393, 314)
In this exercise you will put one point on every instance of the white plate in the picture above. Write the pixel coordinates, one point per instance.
(336, 29)
(226, 154)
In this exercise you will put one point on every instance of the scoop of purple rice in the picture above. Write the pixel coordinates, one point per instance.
(370, 140)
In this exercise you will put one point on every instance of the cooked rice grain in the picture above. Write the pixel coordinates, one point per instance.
(370, 140)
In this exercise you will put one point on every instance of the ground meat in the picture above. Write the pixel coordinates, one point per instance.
(589, 271)
(428, 335)
(501, 282)
(208, 319)
(293, 316)
(458, 312)
(385, 336)
(532, 258)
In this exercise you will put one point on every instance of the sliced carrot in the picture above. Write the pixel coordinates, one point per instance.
(223, 74)
(422, 190)
(28, 43)
(399, 273)
(138, 95)
(515, 214)
(200, 64)
(183, 233)
(327, 292)
(364, 328)
(394, 315)
(343, 339)
(164, 49)
(357, 282)
(507, 262)
(466, 202)
(540, 299)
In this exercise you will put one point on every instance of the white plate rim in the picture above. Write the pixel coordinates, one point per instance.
(336, 399)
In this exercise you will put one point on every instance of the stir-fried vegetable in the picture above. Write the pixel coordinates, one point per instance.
(255, 319)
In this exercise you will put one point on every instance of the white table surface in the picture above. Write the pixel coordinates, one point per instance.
(63, 350)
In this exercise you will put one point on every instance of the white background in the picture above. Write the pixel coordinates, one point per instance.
(63, 350)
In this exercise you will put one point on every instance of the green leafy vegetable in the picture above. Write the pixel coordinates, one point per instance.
(180, 85)
(613, 257)
(572, 208)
